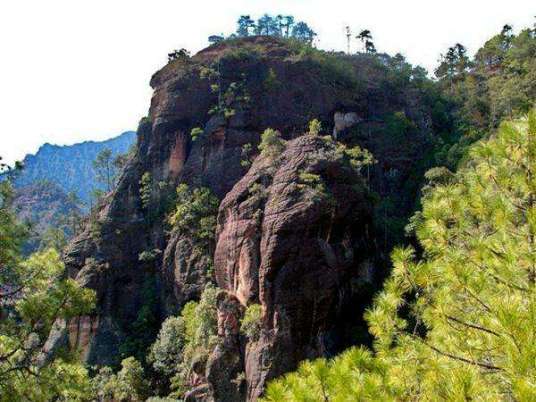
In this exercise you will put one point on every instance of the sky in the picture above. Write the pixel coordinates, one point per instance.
(74, 70)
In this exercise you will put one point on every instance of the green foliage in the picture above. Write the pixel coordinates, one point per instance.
(128, 385)
(58, 381)
(105, 169)
(186, 341)
(354, 375)
(257, 192)
(278, 26)
(359, 157)
(145, 120)
(271, 82)
(120, 160)
(247, 155)
(97, 199)
(34, 294)
(365, 37)
(398, 126)
(195, 133)
(250, 325)
(499, 82)
(208, 73)
(12, 233)
(330, 66)
(458, 322)
(271, 143)
(149, 255)
(467, 299)
(195, 213)
(142, 331)
(315, 127)
(166, 352)
(312, 181)
(53, 238)
(245, 25)
(95, 226)
(310, 178)
(182, 55)
(146, 184)
(232, 96)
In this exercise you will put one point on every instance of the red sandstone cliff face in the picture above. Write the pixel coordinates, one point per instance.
(296, 248)
(304, 257)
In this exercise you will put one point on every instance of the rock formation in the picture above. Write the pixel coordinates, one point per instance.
(296, 247)
(296, 233)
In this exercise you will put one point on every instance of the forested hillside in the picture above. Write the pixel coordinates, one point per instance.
(52, 216)
(71, 167)
(295, 225)
(498, 82)
(59, 185)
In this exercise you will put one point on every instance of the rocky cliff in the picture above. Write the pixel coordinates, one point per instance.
(299, 233)
(295, 235)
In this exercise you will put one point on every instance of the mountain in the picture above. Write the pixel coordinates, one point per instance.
(43, 187)
(281, 228)
(71, 166)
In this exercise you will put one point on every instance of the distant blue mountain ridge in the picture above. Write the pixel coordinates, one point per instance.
(70, 167)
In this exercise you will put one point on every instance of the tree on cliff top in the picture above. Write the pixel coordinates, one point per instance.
(458, 323)
(278, 26)
(499, 82)
(271, 143)
(245, 25)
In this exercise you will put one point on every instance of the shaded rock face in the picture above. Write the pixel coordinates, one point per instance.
(302, 246)
(105, 258)
(296, 248)
(225, 366)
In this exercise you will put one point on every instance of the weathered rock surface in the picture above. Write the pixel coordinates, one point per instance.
(296, 248)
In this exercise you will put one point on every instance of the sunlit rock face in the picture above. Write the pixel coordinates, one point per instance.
(295, 249)
(343, 121)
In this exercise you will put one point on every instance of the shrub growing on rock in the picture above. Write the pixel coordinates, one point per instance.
(271, 143)
(195, 133)
(315, 127)
(146, 189)
(186, 340)
(166, 353)
(195, 212)
(250, 325)
(129, 384)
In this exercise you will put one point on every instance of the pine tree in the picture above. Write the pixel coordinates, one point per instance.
(105, 169)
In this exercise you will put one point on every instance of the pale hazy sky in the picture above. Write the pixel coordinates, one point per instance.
(73, 70)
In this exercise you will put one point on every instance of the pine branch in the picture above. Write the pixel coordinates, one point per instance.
(460, 358)
(473, 326)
